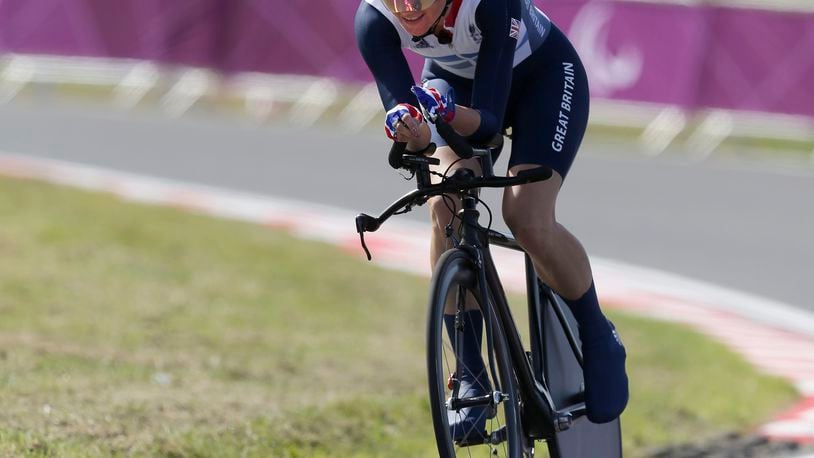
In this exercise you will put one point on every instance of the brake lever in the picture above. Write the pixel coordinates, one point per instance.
(364, 246)
(366, 223)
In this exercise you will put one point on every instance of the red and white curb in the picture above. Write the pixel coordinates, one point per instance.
(773, 336)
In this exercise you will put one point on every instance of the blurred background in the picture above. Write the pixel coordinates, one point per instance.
(686, 80)
(698, 164)
(714, 63)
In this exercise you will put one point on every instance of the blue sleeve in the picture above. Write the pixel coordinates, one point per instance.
(380, 45)
(493, 74)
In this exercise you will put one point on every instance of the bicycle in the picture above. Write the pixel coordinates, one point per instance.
(527, 395)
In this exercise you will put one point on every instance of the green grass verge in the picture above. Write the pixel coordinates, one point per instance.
(133, 330)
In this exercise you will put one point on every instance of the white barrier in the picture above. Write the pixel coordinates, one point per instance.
(306, 100)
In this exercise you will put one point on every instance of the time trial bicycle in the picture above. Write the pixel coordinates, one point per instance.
(526, 395)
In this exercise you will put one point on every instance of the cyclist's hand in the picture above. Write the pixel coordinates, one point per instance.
(434, 104)
(402, 121)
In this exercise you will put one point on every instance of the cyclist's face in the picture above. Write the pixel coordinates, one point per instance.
(417, 22)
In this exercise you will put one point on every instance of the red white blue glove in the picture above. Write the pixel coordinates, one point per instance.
(435, 105)
(396, 115)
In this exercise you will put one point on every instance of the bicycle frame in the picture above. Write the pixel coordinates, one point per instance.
(549, 377)
(541, 417)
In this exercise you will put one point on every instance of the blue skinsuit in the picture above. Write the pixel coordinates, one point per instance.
(507, 60)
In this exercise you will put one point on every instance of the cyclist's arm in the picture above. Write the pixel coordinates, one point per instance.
(380, 45)
(493, 74)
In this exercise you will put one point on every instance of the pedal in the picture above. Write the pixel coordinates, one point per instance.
(564, 422)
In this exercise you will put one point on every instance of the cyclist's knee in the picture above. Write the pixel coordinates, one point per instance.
(531, 230)
(440, 212)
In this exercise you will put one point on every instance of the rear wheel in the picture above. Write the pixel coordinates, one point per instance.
(496, 431)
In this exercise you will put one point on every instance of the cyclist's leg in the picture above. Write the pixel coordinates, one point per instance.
(549, 117)
(473, 377)
(548, 111)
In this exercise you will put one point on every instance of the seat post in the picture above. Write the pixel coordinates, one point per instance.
(488, 154)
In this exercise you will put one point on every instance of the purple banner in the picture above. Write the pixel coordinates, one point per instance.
(177, 31)
(304, 37)
(636, 51)
(694, 56)
(759, 61)
(690, 56)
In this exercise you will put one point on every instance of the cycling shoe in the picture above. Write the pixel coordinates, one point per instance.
(468, 424)
(606, 383)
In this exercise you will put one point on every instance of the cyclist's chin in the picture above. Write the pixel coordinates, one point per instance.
(415, 27)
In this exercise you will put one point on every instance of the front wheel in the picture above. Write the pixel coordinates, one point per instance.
(493, 429)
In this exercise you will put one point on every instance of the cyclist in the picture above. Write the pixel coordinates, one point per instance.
(490, 65)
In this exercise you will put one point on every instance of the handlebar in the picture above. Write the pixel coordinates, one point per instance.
(461, 181)
(457, 183)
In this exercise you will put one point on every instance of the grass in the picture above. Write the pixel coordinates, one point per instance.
(141, 331)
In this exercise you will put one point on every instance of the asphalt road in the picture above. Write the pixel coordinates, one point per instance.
(742, 225)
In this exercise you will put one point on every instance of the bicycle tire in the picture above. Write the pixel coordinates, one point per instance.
(454, 274)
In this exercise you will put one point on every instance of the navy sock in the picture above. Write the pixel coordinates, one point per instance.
(606, 383)
(468, 424)
(470, 339)
(592, 323)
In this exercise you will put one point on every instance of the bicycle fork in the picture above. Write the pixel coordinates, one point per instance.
(470, 242)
